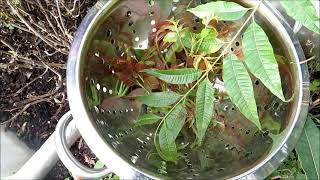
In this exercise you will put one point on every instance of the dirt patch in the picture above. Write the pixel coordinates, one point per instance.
(32, 72)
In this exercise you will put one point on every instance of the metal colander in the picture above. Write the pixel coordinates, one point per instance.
(236, 149)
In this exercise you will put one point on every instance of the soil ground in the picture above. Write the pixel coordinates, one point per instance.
(27, 86)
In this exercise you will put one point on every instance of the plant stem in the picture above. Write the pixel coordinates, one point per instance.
(180, 100)
(239, 31)
(179, 36)
(206, 73)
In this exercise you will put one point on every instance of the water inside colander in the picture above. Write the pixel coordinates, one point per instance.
(227, 150)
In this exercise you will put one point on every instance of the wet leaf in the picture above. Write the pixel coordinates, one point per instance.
(147, 119)
(204, 108)
(159, 99)
(308, 148)
(177, 76)
(228, 11)
(169, 132)
(260, 59)
(304, 12)
(239, 87)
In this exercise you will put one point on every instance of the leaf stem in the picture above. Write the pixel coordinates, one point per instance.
(180, 100)
(180, 39)
(239, 31)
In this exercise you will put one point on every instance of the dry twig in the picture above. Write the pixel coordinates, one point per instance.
(33, 62)
(16, 11)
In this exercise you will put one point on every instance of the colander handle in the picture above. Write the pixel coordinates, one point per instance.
(71, 163)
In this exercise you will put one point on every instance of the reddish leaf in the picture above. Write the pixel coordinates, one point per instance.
(151, 82)
(135, 93)
(160, 65)
(127, 79)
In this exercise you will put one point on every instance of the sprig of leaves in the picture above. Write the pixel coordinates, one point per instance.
(259, 59)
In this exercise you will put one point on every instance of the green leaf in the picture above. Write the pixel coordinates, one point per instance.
(271, 125)
(170, 56)
(187, 38)
(239, 87)
(308, 148)
(228, 11)
(209, 42)
(171, 37)
(98, 165)
(177, 76)
(147, 119)
(204, 108)
(93, 96)
(139, 53)
(159, 99)
(315, 85)
(260, 59)
(169, 132)
(304, 12)
(301, 176)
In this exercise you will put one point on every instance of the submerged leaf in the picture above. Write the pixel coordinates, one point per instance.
(177, 76)
(169, 132)
(238, 86)
(304, 12)
(228, 11)
(147, 119)
(308, 149)
(260, 59)
(204, 108)
(159, 99)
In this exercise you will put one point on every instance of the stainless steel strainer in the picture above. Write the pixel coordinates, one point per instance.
(236, 150)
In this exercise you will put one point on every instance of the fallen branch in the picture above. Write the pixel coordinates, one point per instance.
(7, 44)
(28, 84)
(33, 62)
(48, 19)
(15, 11)
(62, 22)
(25, 108)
